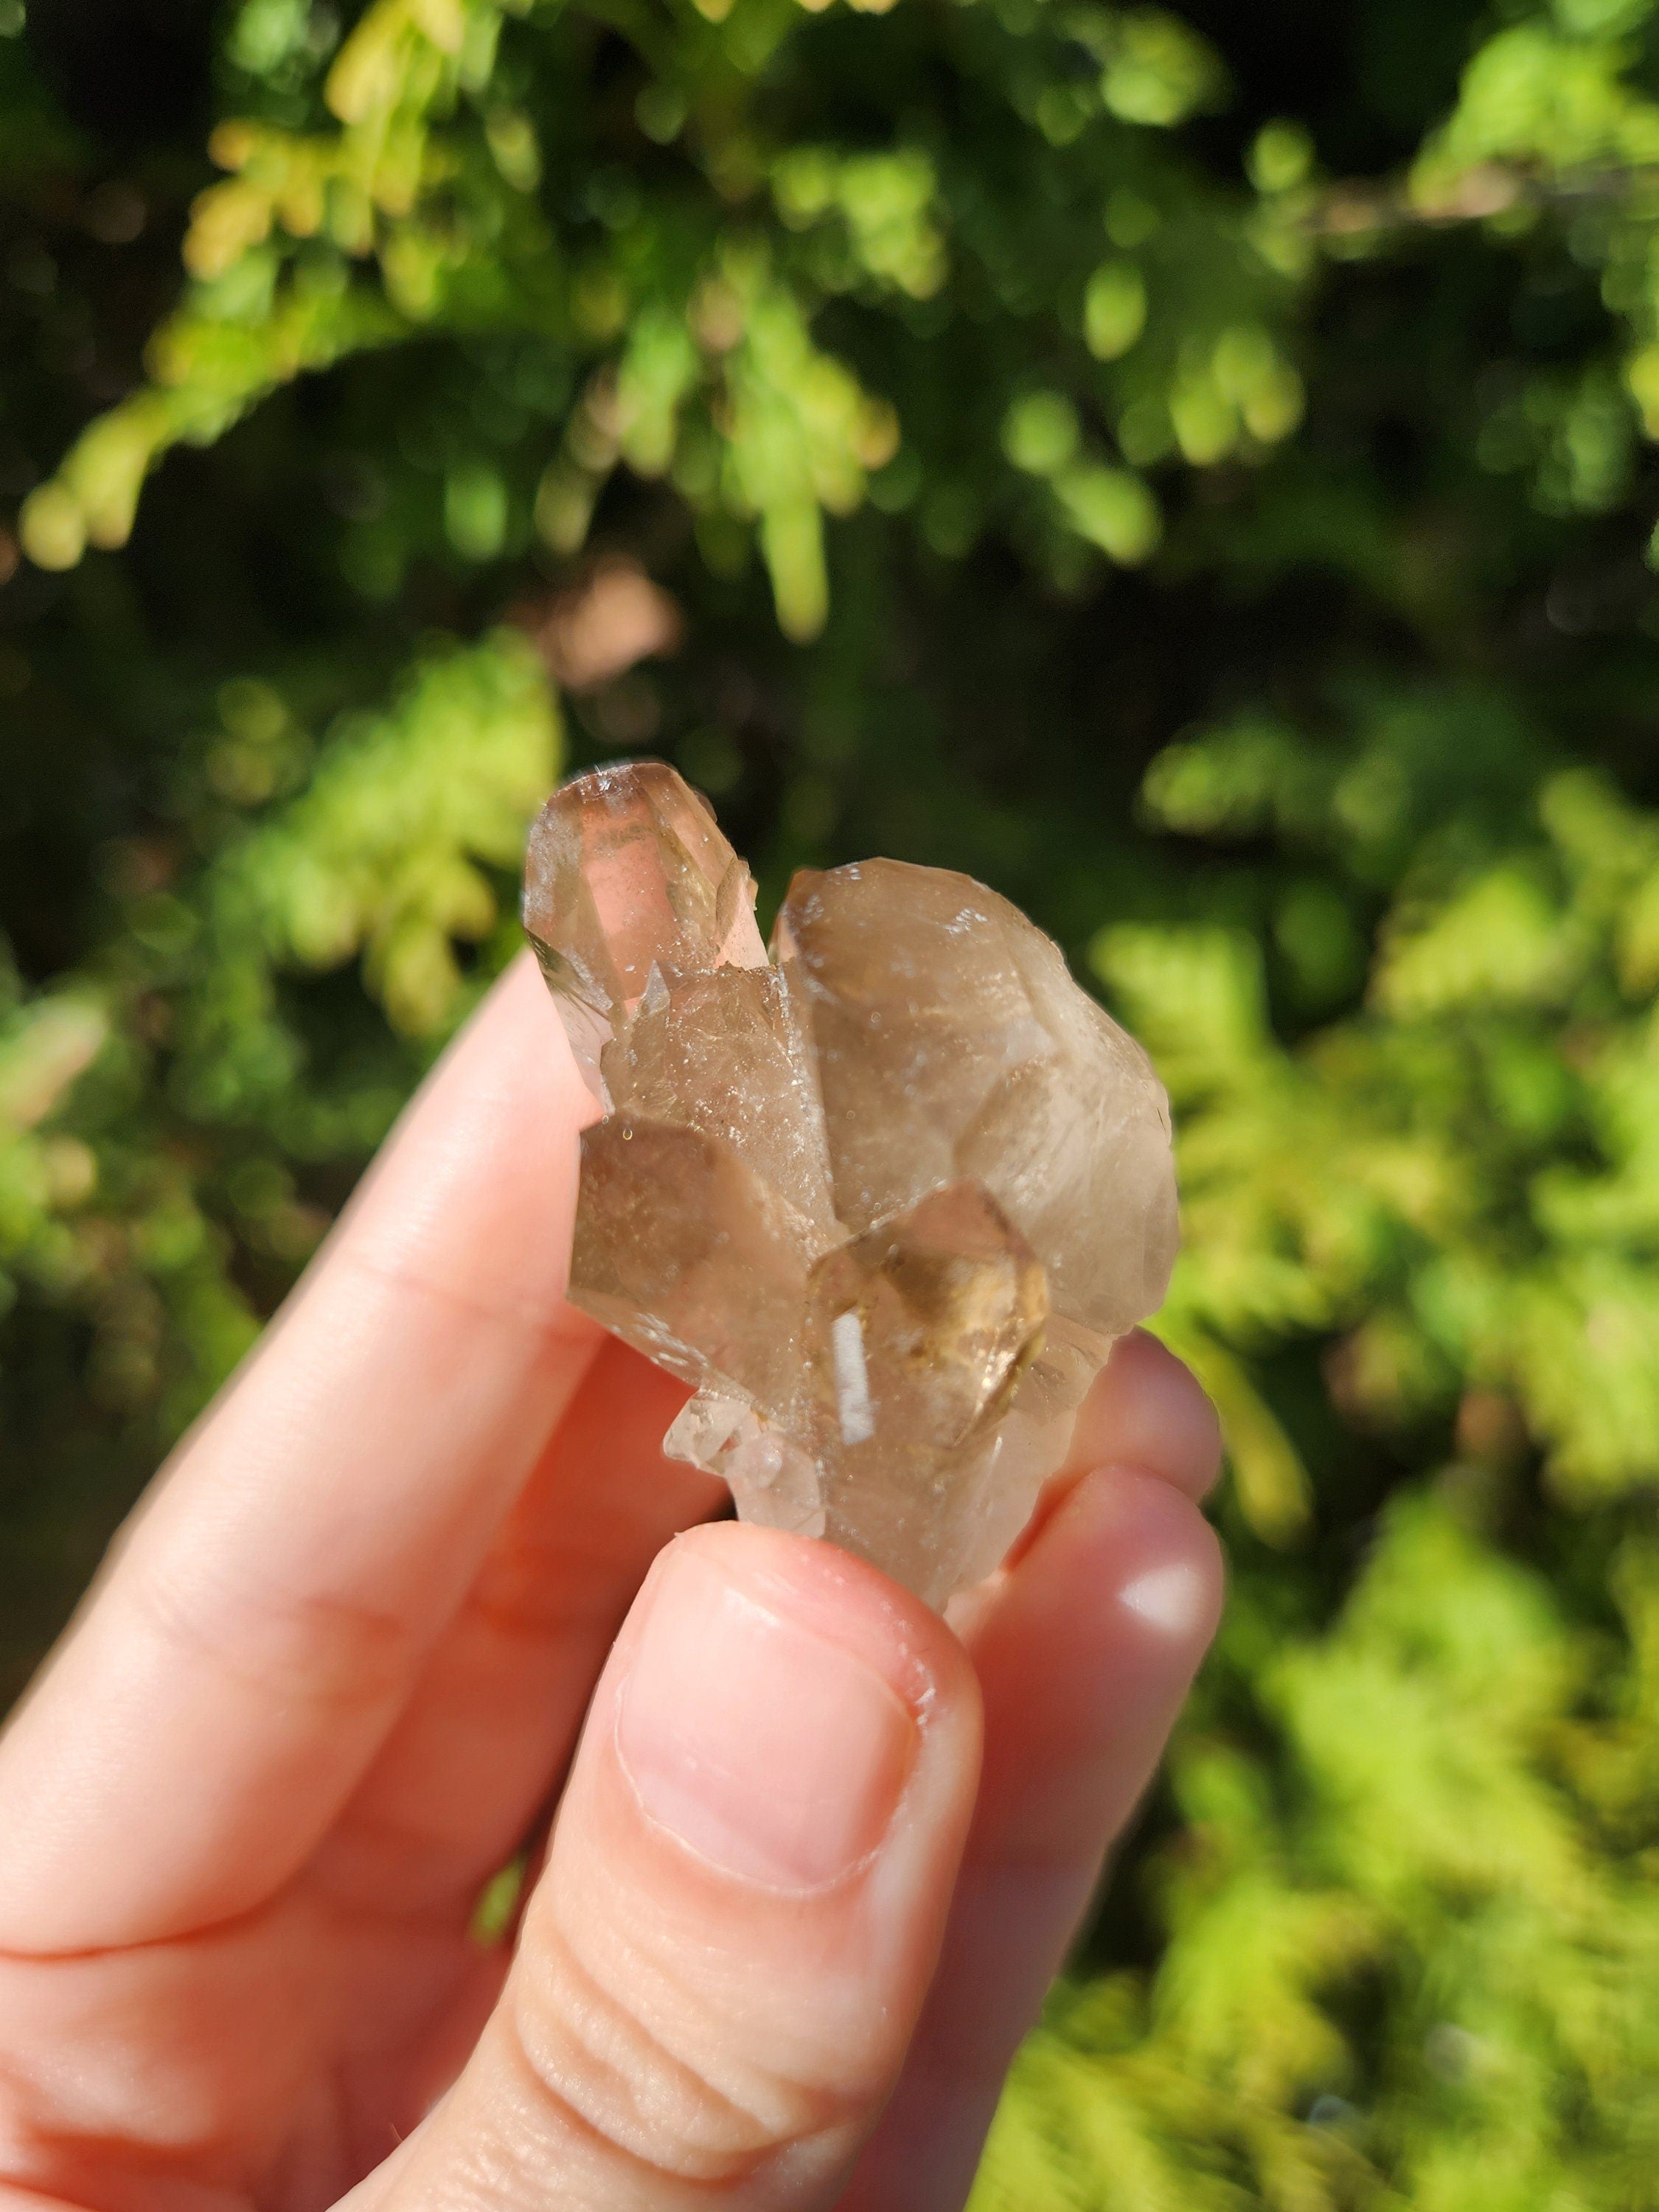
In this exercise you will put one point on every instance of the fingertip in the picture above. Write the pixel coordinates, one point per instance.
(1160, 1559)
(1096, 1633)
(517, 977)
(780, 1720)
(517, 1024)
(835, 1597)
(475, 1191)
(1130, 1554)
(1146, 1409)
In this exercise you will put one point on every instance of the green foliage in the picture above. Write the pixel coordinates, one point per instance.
(404, 199)
(1438, 1844)
(158, 1201)
(380, 853)
(1462, 1174)
(1191, 467)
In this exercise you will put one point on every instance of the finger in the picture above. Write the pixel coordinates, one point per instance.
(1144, 1410)
(1085, 1650)
(722, 1965)
(270, 1608)
(489, 1731)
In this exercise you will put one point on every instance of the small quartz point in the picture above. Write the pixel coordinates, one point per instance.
(884, 1201)
(628, 873)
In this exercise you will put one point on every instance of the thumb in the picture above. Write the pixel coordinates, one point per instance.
(721, 1967)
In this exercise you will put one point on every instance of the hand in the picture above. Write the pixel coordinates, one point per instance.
(420, 1574)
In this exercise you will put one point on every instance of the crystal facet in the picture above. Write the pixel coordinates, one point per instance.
(883, 1203)
(627, 872)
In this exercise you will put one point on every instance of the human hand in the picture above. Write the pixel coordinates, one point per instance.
(409, 1585)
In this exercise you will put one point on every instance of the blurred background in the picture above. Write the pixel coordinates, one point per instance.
(1192, 469)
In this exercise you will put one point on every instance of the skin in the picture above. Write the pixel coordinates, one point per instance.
(421, 1581)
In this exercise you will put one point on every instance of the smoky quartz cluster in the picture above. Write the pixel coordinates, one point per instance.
(884, 1199)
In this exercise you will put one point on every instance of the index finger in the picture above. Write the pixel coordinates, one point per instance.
(268, 1610)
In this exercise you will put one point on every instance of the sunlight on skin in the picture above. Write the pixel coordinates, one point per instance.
(1174, 1598)
(414, 1582)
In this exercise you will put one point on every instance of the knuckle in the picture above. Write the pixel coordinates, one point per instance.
(625, 2051)
(332, 1652)
(530, 1596)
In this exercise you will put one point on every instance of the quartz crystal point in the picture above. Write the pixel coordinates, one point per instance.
(883, 1202)
(627, 872)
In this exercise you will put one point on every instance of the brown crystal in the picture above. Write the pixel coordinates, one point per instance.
(718, 1054)
(683, 1250)
(884, 1205)
(918, 1330)
(628, 871)
(923, 988)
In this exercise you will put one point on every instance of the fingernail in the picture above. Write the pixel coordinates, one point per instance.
(771, 1752)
